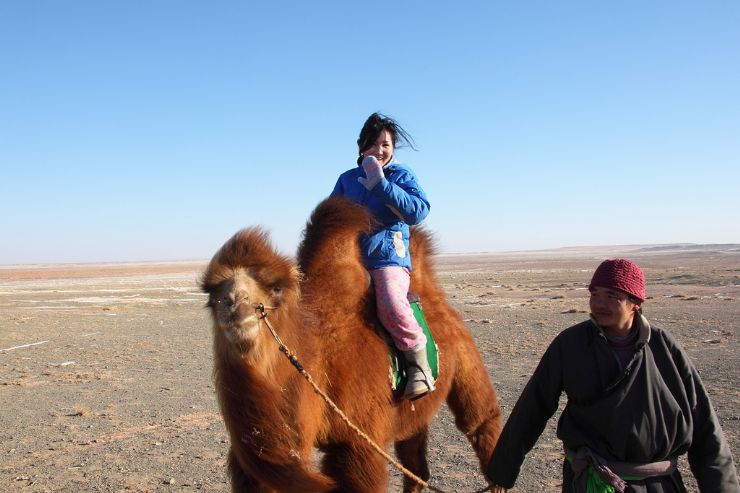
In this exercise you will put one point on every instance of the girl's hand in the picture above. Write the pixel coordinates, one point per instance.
(373, 172)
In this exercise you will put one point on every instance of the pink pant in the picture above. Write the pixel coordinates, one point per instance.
(394, 310)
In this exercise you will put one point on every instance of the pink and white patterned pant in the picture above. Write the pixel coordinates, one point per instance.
(394, 310)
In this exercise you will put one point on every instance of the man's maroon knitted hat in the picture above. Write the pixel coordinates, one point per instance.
(621, 274)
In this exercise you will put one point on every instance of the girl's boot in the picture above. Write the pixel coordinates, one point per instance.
(419, 380)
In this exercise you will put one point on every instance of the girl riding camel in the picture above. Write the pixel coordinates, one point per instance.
(392, 193)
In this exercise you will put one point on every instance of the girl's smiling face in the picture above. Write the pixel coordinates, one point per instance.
(381, 149)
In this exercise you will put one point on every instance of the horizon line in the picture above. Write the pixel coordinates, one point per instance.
(642, 247)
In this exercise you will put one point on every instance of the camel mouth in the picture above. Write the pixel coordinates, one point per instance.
(244, 330)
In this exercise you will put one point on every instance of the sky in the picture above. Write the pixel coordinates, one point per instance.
(154, 130)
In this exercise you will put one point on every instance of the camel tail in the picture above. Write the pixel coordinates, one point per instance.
(473, 401)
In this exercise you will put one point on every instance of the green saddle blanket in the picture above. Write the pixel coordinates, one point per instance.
(397, 371)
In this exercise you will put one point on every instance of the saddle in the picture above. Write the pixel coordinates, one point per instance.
(397, 362)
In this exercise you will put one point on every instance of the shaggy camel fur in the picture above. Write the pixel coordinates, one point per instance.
(323, 310)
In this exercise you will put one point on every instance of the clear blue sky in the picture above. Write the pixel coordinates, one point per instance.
(136, 130)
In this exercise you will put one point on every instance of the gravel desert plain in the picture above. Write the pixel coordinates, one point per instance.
(105, 370)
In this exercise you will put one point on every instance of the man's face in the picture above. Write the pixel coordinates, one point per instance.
(612, 309)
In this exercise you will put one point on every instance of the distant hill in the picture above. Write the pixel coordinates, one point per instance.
(602, 251)
(691, 247)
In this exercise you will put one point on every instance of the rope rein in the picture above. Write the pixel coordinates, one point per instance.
(297, 364)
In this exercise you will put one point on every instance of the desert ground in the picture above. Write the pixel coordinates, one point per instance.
(105, 370)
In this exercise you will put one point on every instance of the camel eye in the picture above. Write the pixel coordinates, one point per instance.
(277, 289)
(215, 301)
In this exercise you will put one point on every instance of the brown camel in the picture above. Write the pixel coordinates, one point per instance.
(323, 310)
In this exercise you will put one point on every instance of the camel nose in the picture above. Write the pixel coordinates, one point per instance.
(238, 298)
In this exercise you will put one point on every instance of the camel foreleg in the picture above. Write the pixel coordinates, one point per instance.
(355, 467)
(241, 481)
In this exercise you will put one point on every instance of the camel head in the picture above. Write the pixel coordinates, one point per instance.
(244, 274)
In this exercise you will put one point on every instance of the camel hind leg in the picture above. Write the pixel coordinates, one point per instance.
(473, 402)
(412, 453)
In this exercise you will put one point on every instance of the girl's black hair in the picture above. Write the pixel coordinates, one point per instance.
(376, 123)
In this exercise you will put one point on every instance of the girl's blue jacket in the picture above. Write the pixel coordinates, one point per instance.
(397, 201)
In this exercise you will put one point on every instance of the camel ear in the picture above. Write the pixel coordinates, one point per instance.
(296, 276)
